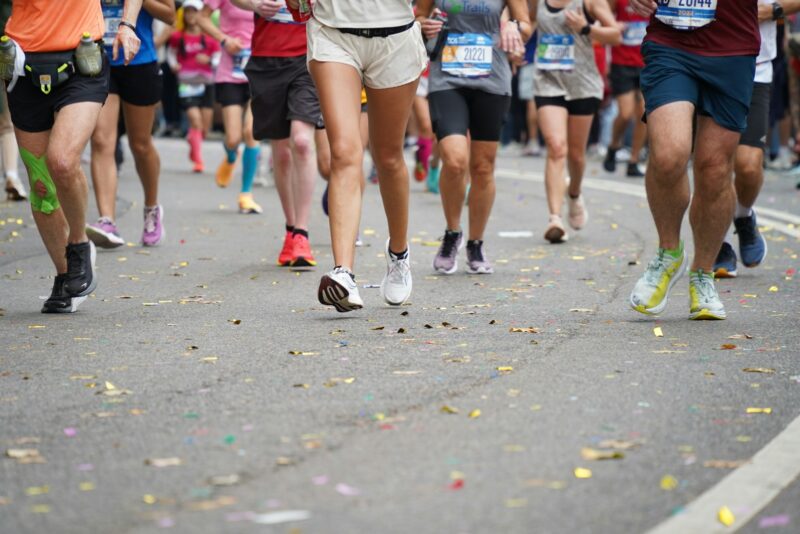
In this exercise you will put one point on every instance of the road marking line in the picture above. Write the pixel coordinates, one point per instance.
(746, 491)
(784, 219)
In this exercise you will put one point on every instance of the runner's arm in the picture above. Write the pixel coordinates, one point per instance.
(518, 10)
(208, 26)
(789, 7)
(265, 8)
(163, 10)
(607, 33)
(533, 10)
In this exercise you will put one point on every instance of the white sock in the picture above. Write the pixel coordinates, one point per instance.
(742, 211)
(12, 175)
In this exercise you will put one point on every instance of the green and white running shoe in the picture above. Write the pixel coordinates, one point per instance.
(649, 295)
(704, 302)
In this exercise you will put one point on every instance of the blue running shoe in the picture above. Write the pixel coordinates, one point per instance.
(725, 265)
(433, 180)
(752, 245)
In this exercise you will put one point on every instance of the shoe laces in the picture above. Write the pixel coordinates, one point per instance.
(74, 260)
(399, 270)
(656, 267)
(747, 230)
(475, 252)
(449, 243)
(150, 219)
(703, 283)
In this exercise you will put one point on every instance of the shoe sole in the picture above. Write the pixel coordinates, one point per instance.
(482, 270)
(73, 307)
(14, 195)
(556, 235)
(707, 315)
(249, 211)
(332, 293)
(102, 239)
(303, 262)
(722, 272)
(663, 304)
(389, 302)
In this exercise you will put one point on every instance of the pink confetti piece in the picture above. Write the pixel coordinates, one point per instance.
(247, 428)
(320, 480)
(346, 490)
(166, 522)
(774, 521)
(70, 432)
(85, 467)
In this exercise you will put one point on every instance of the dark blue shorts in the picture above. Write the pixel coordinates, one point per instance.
(720, 87)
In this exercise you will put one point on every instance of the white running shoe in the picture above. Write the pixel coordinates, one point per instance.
(338, 288)
(578, 214)
(396, 285)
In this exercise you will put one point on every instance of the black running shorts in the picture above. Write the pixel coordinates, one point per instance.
(462, 110)
(33, 111)
(282, 91)
(623, 79)
(581, 106)
(758, 117)
(138, 85)
(232, 94)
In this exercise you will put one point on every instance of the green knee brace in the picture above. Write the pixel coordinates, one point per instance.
(40, 179)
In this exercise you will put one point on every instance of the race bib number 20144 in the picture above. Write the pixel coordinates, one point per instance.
(686, 14)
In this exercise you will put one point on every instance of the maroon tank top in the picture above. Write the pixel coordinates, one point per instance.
(734, 32)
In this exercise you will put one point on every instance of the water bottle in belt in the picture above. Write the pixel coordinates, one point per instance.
(88, 56)
(8, 56)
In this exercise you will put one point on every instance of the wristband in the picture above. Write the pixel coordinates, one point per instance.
(222, 43)
(127, 25)
(586, 30)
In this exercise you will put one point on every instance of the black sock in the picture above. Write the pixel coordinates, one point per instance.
(574, 197)
(399, 255)
(289, 228)
(474, 243)
(300, 231)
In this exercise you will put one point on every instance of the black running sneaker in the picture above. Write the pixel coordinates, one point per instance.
(80, 281)
(610, 163)
(59, 301)
(634, 171)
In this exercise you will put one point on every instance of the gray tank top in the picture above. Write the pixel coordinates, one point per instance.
(565, 63)
(472, 57)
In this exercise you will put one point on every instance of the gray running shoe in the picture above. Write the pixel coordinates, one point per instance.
(476, 261)
(446, 260)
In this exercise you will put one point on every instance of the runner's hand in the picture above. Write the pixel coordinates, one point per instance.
(267, 8)
(576, 20)
(127, 39)
(511, 40)
(203, 59)
(644, 8)
(431, 28)
(764, 12)
(233, 45)
(294, 4)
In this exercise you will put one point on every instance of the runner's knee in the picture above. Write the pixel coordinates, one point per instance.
(346, 153)
(455, 161)
(556, 148)
(302, 144)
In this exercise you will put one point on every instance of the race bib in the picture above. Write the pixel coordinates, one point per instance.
(112, 16)
(239, 63)
(283, 16)
(634, 33)
(467, 55)
(556, 52)
(189, 90)
(686, 14)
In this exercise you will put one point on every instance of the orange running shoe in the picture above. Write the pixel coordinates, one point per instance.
(287, 252)
(301, 254)
(198, 167)
(225, 173)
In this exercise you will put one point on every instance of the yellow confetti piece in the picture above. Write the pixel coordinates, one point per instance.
(210, 359)
(302, 353)
(448, 409)
(40, 509)
(505, 368)
(528, 330)
(668, 483)
(764, 370)
(594, 454)
(516, 503)
(235, 321)
(578, 258)
(474, 414)
(86, 486)
(36, 326)
(744, 439)
(759, 410)
(456, 475)
(773, 289)
(658, 332)
(149, 499)
(110, 386)
(725, 516)
(582, 472)
(37, 490)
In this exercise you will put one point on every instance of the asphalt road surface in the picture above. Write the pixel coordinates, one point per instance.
(203, 389)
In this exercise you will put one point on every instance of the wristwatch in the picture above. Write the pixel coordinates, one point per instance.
(586, 29)
(777, 11)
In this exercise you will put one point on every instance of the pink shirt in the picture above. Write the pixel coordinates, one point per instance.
(186, 48)
(238, 23)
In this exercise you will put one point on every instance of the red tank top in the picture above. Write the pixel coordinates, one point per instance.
(629, 53)
(733, 33)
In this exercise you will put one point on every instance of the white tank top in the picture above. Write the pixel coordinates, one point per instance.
(769, 48)
(363, 13)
